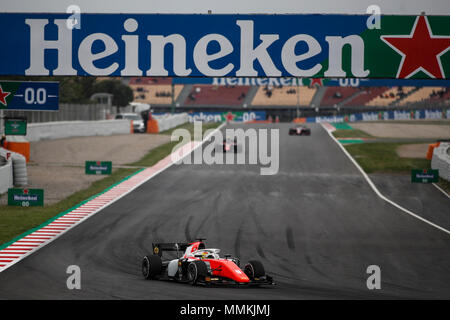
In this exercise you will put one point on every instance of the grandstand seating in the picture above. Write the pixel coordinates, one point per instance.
(365, 96)
(284, 96)
(335, 95)
(217, 95)
(441, 94)
(388, 97)
(420, 95)
(150, 81)
(157, 91)
(154, 94)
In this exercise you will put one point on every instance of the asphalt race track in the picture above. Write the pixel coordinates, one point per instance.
(316, 226)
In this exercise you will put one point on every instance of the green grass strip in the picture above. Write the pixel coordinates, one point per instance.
(355, 133)
(383, 158)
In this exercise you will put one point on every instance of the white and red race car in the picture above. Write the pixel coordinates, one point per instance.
(300, 131)
(199, 265)
(230, 145)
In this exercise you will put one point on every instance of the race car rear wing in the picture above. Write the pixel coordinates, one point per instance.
(158, 248)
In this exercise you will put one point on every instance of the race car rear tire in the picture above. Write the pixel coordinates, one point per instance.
(254, 269)
(196, 271)
(151, 266)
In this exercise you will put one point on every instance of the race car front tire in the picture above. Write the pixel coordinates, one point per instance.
(196, 270)
(254, 269)
(151, 266)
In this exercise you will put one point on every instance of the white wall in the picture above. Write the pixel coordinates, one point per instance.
(6, 173)
(68, 129)
(168, 121)
(441, 160)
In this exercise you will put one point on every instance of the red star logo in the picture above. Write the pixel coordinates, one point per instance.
(420, 51)
(317, 82)
(25, 191)
(3, 96)
(229, 116)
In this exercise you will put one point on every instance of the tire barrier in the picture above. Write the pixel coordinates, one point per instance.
(19, 164)
(441, 160)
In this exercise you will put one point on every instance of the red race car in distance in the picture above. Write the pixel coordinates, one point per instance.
(195, 264)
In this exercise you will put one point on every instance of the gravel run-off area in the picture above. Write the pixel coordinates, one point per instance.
(407, 130)
(413, 150)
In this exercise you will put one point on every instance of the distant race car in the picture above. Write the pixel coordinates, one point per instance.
(199, 265)
(300, 131)
(230, 145)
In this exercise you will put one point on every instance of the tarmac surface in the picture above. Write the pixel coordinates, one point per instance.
(316, 226)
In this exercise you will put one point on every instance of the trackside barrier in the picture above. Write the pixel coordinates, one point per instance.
(19, 164)
(6, 171)
(152, 126)
(166, 122)
(441, 160)
(423, 114)
(68, 129)
(431, 148)
(19, 145)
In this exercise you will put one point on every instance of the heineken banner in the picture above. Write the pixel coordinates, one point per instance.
(311, 82)
(235, 116)
(424, 176)
(179, 45)
(29, 95)
(98, 167)
(25, 197)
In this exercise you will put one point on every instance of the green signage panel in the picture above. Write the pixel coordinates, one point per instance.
(25, 197)
(98, 167)
(424, 176)
(16, 126)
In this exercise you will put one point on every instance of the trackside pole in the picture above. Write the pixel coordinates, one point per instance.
(298, 98)
(2, 119)
(173, 99)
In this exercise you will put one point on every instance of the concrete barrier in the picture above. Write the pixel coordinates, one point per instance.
(169, 121)
(68, 129)
(6, 171)
(441, 160)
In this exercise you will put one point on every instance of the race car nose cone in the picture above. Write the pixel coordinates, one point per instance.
(232, 271)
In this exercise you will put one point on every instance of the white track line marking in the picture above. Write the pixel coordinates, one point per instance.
(375, 189)
(88, 209)
(441, 190)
